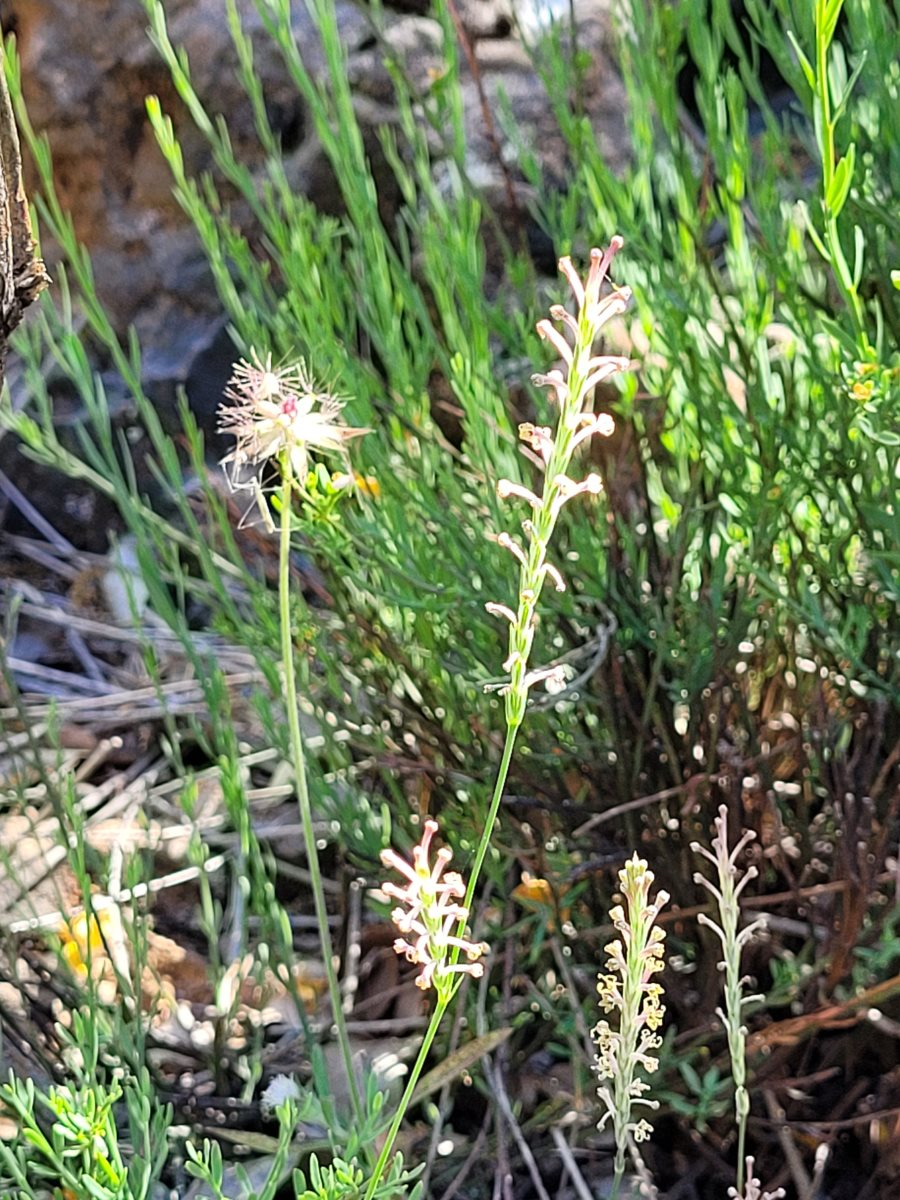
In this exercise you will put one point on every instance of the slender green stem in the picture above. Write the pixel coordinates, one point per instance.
(436, 1017)
(442, 1005)
(824, 93)
(491, 819)
(741, 1152)
(534, 571)
(299, 762)
(618, 1174)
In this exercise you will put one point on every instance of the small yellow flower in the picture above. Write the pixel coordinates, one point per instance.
(97, 945)
(368, 485)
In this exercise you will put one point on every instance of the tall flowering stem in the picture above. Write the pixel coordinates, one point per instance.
(277, 417)
(575, 425)
(572, 388)
(629, 989)
(432, 912)
(432, 924)
(727, 888)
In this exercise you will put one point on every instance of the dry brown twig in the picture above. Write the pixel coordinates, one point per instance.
(22, 274)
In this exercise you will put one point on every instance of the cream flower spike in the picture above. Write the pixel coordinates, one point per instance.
(551, 452)
(429, 917)
(627, 987)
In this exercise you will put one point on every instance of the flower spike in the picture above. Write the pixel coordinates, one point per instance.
(628, 988)
(429, 917)
(726, 889)
(572, 389)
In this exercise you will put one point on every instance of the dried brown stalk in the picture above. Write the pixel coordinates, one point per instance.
(22, 274)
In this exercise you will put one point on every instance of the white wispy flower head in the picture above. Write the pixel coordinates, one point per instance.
(273, 412)
(280, 1090)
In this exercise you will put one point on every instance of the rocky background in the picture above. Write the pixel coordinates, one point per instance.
(88, 65)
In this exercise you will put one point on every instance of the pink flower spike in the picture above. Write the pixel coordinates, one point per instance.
(432, 919)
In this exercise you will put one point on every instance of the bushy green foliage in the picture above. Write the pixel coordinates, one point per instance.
(750, 538)
(755, 496)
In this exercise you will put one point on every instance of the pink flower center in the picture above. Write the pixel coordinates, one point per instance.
(289, 407)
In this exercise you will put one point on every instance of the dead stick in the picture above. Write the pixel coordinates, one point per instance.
(22, 274)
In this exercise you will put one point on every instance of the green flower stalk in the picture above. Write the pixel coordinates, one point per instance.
(432, 913)
(628, 988)
(573, 390)
(277, 416)
(575, 426)
(727, 890)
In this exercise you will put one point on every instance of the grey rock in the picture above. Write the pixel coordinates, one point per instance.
(88, 65)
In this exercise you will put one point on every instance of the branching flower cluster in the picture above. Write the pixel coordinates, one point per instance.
(572, 388)
(628, 988)
(430, 917)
